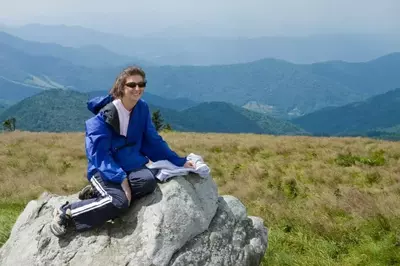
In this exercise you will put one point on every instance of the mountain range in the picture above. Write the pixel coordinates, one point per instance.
(46, 86)
(90, 56)
(287, 90)
(58, 110)
(375, 116)
(165, 48)
(14, 91)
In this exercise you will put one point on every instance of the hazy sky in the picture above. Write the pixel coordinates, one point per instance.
(211, 17)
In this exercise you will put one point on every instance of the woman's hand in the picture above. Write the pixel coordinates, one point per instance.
(127, 190)
(189, 164)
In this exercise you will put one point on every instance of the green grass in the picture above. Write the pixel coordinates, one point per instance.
(370, 243)
(9, 213)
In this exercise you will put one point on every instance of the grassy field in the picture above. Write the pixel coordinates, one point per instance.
(326, 201)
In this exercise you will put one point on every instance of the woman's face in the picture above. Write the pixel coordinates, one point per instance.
(134, 88)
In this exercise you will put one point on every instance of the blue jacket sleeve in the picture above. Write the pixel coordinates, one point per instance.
(97, 144)
(155, 147)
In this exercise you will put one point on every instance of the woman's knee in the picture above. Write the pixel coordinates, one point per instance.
(149, 185)
(142, 182)
(121, 203)
(119, 200)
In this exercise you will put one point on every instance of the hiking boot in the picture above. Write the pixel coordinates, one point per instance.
(61, 221)
(87, 193)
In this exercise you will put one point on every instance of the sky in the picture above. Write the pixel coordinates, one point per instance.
(248, 18)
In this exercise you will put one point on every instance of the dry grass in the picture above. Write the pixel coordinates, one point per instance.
(326, 201)
(33, 162)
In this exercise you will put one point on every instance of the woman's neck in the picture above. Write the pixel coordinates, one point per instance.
(128, 104)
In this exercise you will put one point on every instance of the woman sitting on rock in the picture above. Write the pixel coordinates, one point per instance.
(120, 139)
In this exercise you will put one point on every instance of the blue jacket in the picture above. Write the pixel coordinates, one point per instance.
(112, 154)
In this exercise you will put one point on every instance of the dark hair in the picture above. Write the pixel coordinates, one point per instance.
(117, 90)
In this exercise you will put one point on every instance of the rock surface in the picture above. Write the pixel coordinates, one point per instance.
(184, 222)
(232, 239)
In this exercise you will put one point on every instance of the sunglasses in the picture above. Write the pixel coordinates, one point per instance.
(134, 84)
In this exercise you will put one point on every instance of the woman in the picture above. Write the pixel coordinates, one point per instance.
(120, 139)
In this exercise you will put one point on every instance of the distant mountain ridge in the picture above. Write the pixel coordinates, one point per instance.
(164, 49)
(289, 90)
(49, 72)
(12, 92)
(65, 110)
(378, 113)
(93, 56)
(367, 78)
(51, 110)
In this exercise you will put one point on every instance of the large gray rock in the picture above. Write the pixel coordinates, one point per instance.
(232, 239)
(183, 222)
